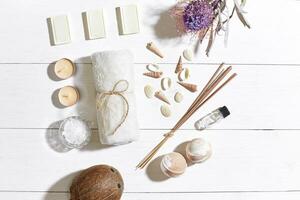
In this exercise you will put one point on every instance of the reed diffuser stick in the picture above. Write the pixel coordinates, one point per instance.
(209, 90)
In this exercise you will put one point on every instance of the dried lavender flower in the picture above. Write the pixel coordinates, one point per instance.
(198, 15)
(204, 18)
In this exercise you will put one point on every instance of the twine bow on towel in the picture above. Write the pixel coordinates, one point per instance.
(103, 96)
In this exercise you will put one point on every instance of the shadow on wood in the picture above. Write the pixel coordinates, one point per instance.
(51, 72)
(50, 31)
(181, 149)
(165, 27)
(53, 138)
(55, 100)
(95, 144)
(154, 172)
(84, 82)
(60, 186)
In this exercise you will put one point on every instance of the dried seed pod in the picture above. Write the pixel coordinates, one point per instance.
(153, 74)
(161, 96)
(152, 67)
(184, 74)
(166, 83)
(97, 182)
(152, 47)
(188, 86)
(148, 89)
(179, 65)
(165, 111)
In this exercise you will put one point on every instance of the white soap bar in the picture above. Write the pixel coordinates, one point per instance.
(94, 24)
(60, 30)
(128, 20)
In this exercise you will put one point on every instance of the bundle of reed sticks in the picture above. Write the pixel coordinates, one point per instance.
(213, 86)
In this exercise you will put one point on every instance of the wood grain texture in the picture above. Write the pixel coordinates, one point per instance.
(256, 149)
(241, 161)
(272, 39)
(164, 196)
(261, 97)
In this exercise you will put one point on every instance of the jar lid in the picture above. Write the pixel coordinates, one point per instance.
(224, 111)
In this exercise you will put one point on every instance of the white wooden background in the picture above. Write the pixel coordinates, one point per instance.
(256, 150)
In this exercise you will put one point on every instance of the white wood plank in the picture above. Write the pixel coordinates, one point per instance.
(162, 196)
(274, 38)
(241, 161)
(261, 97)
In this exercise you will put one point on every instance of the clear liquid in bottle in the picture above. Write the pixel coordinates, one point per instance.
(212, 118)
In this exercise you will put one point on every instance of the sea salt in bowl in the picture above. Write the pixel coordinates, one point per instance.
(74, 132)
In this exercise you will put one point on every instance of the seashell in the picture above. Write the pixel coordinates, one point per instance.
(153, 74)
(187, 74)
(184, 74)
(166, 83)
(188, 54)
(152, 47)
(173, 164)
(165, 111)
(160, 95)
(188, 86)
(178, 97)
(198, 150)
(148, 91)
(178, 66)
(152, 67)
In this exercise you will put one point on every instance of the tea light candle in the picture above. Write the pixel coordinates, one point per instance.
(198, 150)
(173, 164)
(64, 68)
(68, 96)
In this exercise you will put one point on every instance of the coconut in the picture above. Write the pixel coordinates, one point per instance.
(97, 182)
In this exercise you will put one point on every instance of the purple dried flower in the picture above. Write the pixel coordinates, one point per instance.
(198, 15)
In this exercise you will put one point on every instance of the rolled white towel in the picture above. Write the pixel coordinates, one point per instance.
(115, 69)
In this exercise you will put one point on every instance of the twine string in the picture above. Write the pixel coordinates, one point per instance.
(104, 97)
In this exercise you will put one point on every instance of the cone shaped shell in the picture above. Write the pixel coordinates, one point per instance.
(188, 86)
(179, 66)
(160, 95)
(152, 47)
(153, 74)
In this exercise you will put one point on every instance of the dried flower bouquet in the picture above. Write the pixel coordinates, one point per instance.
(202, 18)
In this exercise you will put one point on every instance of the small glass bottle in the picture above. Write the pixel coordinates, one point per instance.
(212, 118)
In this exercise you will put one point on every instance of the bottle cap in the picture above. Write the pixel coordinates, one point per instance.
(224, 111)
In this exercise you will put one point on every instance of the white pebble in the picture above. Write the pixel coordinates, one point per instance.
(178, 97)
(149, 92)
(188, 54)
(165, 111)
